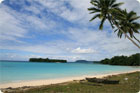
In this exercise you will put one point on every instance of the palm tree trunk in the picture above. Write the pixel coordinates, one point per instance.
(128, 36)
(136, 38)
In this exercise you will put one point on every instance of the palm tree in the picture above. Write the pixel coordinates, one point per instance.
(128, 24)
(103, 9)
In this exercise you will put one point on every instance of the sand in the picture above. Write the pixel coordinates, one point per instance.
(55, 81)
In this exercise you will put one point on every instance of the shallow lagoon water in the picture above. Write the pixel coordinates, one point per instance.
(25, 71)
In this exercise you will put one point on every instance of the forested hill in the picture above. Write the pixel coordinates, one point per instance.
(133, 60)
(46, 60)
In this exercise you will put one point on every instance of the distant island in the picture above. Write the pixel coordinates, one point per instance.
(133, 60)
(47, 60)
(83, 61)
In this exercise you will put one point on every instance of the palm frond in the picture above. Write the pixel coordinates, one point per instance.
(119, 34)
(134, 18)
(136, 31)
(112, 2)
(95, 3)
(117, 5)
(110, 21)
(116, 30)
(130, 33)
(94, 9)
(102, 22)
(95, 16)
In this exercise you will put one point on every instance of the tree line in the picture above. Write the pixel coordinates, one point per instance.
(133, 60)
(46, 60)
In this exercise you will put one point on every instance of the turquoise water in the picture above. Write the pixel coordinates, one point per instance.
(22, 71)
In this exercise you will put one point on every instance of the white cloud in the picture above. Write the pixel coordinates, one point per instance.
(15, 25)
(138, 1)
(131, 5)
(79, 50)
(72, 13)
(10, 27)
(1, 1)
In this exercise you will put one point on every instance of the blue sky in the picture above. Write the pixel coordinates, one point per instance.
(58, 29)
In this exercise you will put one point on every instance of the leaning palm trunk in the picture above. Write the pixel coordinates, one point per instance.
(127, 36)
(136, 39)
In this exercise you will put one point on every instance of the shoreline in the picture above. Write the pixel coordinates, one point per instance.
(56, 81)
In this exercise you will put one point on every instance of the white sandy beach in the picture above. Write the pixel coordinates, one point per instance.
(55, 81)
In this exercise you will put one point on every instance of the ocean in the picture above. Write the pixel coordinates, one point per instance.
(25, 71)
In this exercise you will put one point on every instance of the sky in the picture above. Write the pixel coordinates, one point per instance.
(59, 29)
(138, 1)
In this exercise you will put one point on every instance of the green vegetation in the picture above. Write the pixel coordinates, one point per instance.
(125, 86)
(133, 60)
(46, 60)
(127, 23)
(122, 21)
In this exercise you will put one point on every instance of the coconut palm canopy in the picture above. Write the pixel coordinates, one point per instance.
(103, 9)
(123, 21)
(128, 23)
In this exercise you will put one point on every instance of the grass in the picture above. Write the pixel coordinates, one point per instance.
(132, 85)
